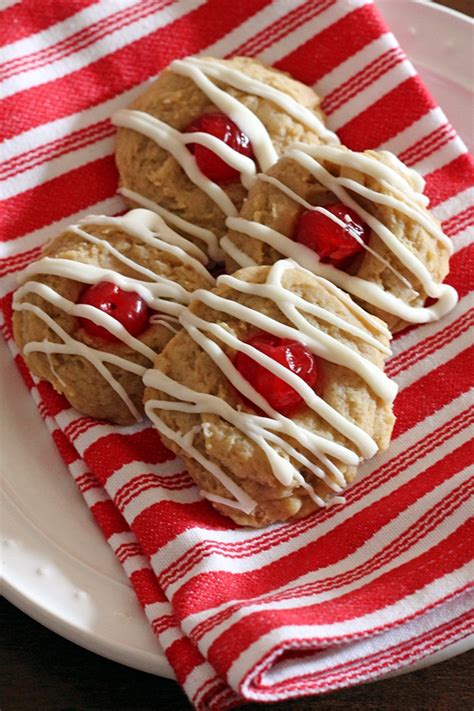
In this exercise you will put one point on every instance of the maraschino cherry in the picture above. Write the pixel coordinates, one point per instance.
(127, 307)
(334, 244)
(222, 127)
(293, 355)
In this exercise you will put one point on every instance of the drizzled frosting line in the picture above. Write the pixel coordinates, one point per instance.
(311, 157)
(270, 430)
(206, 236)
(161, 294)
(199, 71)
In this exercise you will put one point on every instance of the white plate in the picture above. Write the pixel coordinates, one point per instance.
(57, 567)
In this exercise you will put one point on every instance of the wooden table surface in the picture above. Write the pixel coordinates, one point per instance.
(40, 671)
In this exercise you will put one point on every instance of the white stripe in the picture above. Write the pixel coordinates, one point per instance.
(106, 45)
(426, 542)
(247, 30)
(368, 96)
(119, 539)
(161, 560)
(221, 562)
(127, 472)
(356, 63)
(425, 366)
(454, 205)
(197, 677)
(146, 499)
(239, 537)
(421, 128)
(417, 336)
(39, 237)
(308, 30)
(363, 649)
(59, 31)
(464, 238)
(62, 127)
(155, 610)
(134, 563)
(39, 136)
(441, 157)
(431, 593)
(94, 496)
(51, 169)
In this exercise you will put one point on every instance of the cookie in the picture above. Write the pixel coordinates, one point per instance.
(273, 392)
(104, 299)
(358, 219)
(190, 146)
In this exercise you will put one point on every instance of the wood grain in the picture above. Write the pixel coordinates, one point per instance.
(42, 671)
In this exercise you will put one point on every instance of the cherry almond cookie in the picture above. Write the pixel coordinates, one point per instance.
(357, 219)
(191, 145)
(273, 392)
(104, 299)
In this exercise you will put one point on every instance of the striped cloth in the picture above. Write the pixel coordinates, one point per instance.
(336, 598)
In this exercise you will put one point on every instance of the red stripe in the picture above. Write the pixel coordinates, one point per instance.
(282, 27)
(153, 535)
(137, 61)
(459, 222)
(428, 145)
(272, 537)
(450, 180)
(434, 390)
(421, 528)
(146, 587)
(57, 148)
(113, 451)
(146, 482)
(207, 589)
(429, 345)
(24, 372)
(18, 261)
(163, 623)
(383, 119)
(462, 269)
(53, 401)
(76, 426)
(326, 50)
(90, 34)
(184, 658)
(109, 518)
(64, 195)
(86, 481)
(442, 559)
(65, 448)
(29, 17)
(395, 656)
(362, 79)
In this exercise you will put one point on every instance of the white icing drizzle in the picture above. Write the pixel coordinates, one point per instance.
(167, 321)
(297, 198)
(171, 140)
(242, 259)
(54, 371)
(311, 158)
(161, 294)
(206, 236)
(238, 80)
(174, 141)
(269, 431)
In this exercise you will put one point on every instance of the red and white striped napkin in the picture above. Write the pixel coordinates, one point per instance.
(347, 594)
